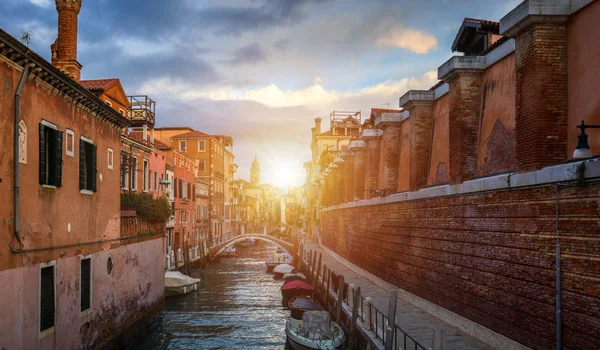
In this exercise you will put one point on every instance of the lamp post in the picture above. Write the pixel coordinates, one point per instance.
(583, 148)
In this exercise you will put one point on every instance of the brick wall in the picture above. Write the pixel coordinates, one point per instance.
(541, 96)
(489, 257)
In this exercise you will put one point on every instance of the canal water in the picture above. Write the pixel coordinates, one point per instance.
(238, 306)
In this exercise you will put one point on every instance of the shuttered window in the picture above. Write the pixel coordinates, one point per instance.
(50, 156)
(86, 284)
(87, 165)
(47, 302)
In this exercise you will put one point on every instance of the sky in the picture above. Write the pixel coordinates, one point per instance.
(259, 70)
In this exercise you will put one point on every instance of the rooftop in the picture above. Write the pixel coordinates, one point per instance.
(98, 84)
(190, 135)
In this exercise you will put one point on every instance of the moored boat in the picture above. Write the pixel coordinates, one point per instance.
(282, 269)
(314, 331)
(300, 304)
(276, 259)
(288, 277)
(247, 243)
(296, 288)
(177, 283)
(231, 251)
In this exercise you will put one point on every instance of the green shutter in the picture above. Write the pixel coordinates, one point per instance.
(81, 165)
(42, 154)
(92, 172)
(58, 165)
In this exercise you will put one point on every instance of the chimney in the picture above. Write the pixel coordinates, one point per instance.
(64, 49)
(318, 125)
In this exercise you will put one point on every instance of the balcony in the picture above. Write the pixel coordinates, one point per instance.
(141, 110)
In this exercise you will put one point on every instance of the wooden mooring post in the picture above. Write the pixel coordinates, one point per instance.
(390, 329)
(340, 300)
(316, 284)
(355, 305)
(314, 266)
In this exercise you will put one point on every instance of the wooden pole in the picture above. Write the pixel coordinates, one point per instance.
(391, 327)
(309, 270)
(318, 272)
(356, 303)
(340, 300)
(314, 266)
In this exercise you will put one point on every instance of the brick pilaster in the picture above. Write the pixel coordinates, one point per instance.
(340, 183)
(348, 158)
(391, 125)
(419, 104)
(359, 149)
(372, 138)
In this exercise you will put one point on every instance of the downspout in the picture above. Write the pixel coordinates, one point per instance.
(16, 152)
(558, 284)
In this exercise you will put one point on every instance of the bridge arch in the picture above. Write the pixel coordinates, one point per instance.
(286, 246)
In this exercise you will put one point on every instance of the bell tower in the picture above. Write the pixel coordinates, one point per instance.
(255, 172)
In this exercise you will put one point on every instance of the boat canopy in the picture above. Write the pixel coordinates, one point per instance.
(317, 322)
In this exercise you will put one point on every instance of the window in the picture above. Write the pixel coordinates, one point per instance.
(50, 155)
(122, 112)
(47, 301)
(181, 162)
(124, 169)
(156, 181)
(145, 174)
(86, 284)
(108, 103)
(70, 143)
(134, 176)
(182, 145)
(87, 165)
(110, 158)
(201, 146)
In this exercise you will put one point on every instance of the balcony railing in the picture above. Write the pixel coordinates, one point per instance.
(142, 110)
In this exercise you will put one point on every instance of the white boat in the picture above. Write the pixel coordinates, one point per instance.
(282, 269)
(177, 283)
(314, 331)
(247, 243)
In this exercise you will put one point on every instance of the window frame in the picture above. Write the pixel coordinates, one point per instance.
(145, 176)
(111, 158)
(70, 132)
(156, 181)
(89, 309)
(203, 143)
(89, 179)
(57, 151)
(184, 144)
(134, 177)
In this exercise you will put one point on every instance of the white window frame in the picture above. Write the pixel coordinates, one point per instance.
(108, 103)
(122, 111)
(70, 153)
(184, 144)
(87, 311)
(156, 181)
(145, 167)
(51, 329)
(203, 148)
(111, 158)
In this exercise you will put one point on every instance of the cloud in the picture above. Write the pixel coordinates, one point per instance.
(251, 53)
(410, 39)
(42, 3)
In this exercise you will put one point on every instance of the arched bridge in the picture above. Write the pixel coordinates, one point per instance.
(216, 250)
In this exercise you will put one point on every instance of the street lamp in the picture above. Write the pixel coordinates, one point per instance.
(583, 148)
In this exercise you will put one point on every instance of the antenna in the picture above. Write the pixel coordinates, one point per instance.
(25, 37)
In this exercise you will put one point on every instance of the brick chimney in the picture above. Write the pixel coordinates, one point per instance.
(64, 49)
(318, 125)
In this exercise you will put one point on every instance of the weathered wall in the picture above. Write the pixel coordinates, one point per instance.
(403, 168)
(496, 139)
(583, 75)
(132, 290)
(46, 213)
(439, 159)
(486, 256)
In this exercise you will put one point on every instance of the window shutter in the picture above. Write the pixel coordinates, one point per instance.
(175, 187)
(93, 167)
(42, 154)
(58, 170)
(81, 165)
(194, 193)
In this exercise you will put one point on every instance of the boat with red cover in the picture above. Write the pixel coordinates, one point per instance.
(296, 288)
(298, 305)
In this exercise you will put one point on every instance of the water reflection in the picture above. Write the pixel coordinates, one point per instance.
(238, 306)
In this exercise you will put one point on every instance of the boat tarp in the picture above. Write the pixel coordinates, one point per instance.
(305, 304)
(283, 268)
(317, 322)
(175, 279)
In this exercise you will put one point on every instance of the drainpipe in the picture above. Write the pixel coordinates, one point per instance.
(558, 284)
(16, 151)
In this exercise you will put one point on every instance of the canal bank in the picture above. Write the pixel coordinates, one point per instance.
(237, 306)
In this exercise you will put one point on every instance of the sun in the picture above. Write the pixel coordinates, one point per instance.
(284, 176)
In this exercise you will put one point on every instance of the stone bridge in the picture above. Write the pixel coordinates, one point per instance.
(216, 250)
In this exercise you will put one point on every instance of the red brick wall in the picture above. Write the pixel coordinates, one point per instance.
(488, 257)
(372, 164)
(541, 96)
(439, 158)
(403, 177)
(421, 125)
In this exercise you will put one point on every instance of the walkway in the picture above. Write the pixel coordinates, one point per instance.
(414, 321)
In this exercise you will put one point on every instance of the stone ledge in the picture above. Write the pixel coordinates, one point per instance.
(546, 176)
(385, 118)
(412, 96)
(458, 64)
(368, 134)
(441, 90)
(534, 11)
(356, 145)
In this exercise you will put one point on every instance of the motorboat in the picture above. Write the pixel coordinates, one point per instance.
(288, 277)
(296, 288)
(230, 251)
(177, 283)
(300, 304)
(314, 331)
(247, 243)
(276, 259)
(282, 269)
